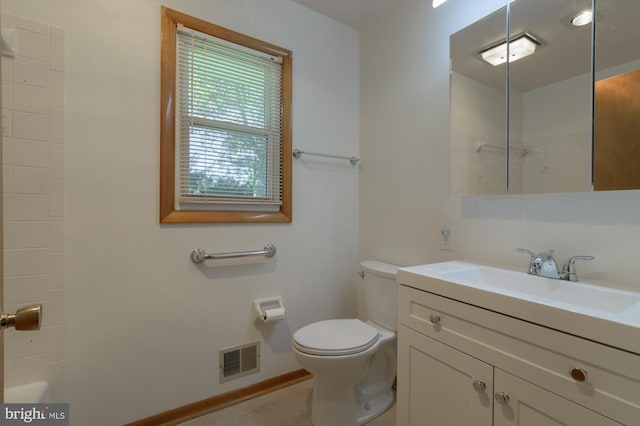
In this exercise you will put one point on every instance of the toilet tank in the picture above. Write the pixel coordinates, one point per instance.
(380, 293)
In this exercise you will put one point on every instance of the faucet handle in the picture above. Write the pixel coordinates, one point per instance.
(533, 269)
(529, 252)
(569, 267)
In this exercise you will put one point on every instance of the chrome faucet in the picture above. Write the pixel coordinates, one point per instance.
(544, 265)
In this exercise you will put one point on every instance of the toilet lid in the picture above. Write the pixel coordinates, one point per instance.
(335, 337)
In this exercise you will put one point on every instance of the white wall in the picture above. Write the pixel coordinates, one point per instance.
(404, 196)
(144, 324)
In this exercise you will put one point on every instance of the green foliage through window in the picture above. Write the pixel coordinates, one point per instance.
(229, 104)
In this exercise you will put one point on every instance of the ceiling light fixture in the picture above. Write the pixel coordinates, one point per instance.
(519, 47)
(582, 18)
(437, 3)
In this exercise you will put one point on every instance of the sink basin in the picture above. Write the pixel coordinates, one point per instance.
(545, 290)
(596, 312)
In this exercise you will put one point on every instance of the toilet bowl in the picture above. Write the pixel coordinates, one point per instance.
(353, 362)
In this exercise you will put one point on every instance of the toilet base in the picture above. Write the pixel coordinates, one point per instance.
(334, 406)
(371, 409)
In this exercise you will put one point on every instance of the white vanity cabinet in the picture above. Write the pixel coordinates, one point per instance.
(460, 364)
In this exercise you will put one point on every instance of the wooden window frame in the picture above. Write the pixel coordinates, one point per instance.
(168, 143)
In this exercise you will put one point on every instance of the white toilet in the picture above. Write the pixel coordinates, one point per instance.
(354, 363)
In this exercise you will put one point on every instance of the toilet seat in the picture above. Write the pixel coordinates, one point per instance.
(335, 337)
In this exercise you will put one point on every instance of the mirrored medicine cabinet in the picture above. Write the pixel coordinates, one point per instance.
(563, 115)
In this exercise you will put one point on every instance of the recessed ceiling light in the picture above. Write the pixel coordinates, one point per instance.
(519, 47)
(582, 18)
(437, 3)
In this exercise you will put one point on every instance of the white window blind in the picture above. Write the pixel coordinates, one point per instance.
(228, 124)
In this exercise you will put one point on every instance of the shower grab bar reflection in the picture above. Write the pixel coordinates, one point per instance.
(353, 160)
(200, 255)
(482, 146)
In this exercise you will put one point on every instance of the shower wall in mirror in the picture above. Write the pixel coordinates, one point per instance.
(550, 99)
(478, 110)
(545, 141)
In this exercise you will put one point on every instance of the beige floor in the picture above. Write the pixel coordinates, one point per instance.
(290, 406)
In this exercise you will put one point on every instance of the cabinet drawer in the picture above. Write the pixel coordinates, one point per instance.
(534, 353)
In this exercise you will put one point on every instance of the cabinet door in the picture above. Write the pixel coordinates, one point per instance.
(524, 404)
(436, 384)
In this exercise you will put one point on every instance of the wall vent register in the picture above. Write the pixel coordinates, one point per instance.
(239, 361)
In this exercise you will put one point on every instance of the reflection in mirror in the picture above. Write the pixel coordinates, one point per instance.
(617, 95)
(550, 99)
(478, 110)
(550, 107)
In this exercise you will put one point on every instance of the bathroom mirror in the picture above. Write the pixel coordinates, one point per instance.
(557, 141)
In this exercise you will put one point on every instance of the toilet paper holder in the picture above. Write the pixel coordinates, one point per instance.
(269, 309)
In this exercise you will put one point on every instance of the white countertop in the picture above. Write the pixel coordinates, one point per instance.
(595, 312)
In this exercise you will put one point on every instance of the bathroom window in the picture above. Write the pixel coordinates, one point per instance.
(225, 125)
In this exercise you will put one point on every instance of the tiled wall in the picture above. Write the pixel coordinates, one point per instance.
(33, 155)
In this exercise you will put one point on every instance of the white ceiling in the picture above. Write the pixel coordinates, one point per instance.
(354, 13)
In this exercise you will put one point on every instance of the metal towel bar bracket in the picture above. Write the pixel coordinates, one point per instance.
(200, 255)
(353, 160)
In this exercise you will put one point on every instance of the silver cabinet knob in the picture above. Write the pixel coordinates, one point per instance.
(479, 386)
(434, 318)
(578, 374)
(501, 398)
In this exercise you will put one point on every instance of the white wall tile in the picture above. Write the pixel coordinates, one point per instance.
(6, 209)
(56, 236)
(27, 344)
(57, 88)
(6, 65)
(7, 123)
(31, 71)
(22, 262)
(57, 53)
(56, 198)
(56, 133)
(7, 150)
(9, 20)
(30, 153)
(30, 126)
(7, 179)
(28, 288)
(7, 94)
(30, 369)
(54, 306)
(26, 235)
(30, 99)
(56, 161)
(55, 347)
(28, 207)
(33, 173)
(56, 380)
(32, 45)
(30, 180)
(56, 271)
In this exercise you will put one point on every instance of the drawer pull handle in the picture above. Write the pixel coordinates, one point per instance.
(434, 318)
(479, 386)
(502, 398)
(578, 374)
